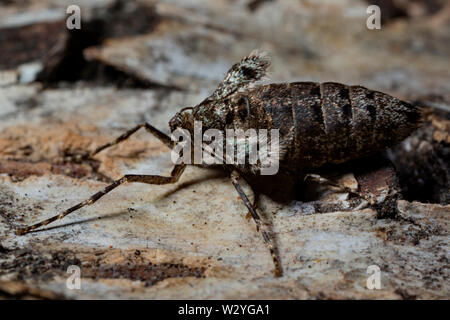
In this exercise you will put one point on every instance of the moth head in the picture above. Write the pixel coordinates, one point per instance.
(182, 119)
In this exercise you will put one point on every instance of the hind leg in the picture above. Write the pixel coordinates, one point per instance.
(334, 185)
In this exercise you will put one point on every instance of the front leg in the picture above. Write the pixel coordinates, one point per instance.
(148, 127)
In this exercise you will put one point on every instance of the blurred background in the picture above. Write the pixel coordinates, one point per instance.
(65, 91)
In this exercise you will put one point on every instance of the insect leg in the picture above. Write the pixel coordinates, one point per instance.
(152, 130)
(254, 205)
(150, 179)
(324, 181)
(260, 226)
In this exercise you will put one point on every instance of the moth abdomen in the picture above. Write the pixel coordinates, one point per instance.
(380, 120)
(330, 122)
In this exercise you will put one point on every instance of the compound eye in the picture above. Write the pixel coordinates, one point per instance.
(175, 122)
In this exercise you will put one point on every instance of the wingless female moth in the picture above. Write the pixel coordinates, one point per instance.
(319, 123)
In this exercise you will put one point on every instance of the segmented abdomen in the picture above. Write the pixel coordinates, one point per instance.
(332, 122)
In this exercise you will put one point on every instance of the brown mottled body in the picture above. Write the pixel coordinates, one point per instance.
(319, 123)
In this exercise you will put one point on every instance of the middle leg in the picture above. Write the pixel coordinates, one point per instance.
(260, 226)
(149, 179)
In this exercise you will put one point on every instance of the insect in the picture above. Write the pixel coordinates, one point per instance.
(318, 123)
